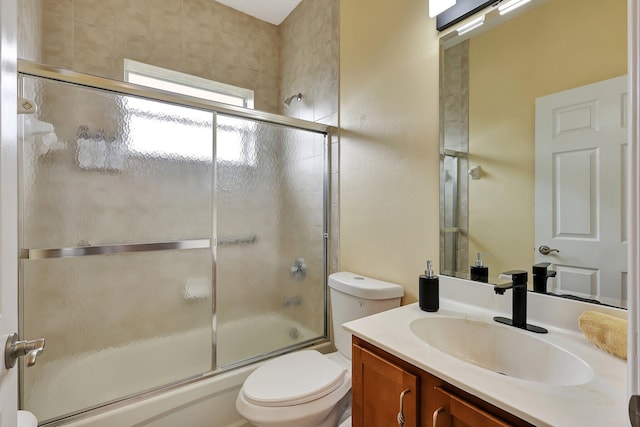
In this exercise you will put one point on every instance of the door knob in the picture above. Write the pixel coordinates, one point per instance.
(14, 349)
(546, 250)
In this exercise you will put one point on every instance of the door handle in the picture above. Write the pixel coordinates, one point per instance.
(546, 250)
(14, 349)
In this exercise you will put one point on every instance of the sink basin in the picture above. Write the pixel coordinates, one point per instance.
(503, 349)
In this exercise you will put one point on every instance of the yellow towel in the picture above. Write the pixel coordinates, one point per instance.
(606, 332)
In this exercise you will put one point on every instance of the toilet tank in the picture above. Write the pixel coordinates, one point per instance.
(354, 296)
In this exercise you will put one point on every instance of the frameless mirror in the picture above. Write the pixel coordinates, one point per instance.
(534, 147)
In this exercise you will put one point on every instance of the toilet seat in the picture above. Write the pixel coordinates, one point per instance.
(293, 379)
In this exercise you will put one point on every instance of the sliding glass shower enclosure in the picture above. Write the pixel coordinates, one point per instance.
(162, 238)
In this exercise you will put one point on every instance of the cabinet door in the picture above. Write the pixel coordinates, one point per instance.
(455, 412)
(379, 389)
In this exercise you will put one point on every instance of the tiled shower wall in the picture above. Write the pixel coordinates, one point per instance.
(309, 65)
(308, 54)
(199, 37)
(30, 30)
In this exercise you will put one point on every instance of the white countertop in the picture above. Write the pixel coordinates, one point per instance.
(600, 402)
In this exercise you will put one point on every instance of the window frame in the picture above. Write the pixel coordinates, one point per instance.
(188, 82)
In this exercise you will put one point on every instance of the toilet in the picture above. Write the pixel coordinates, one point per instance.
(307, 388)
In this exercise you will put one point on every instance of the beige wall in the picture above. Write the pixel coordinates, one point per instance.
(556, 46)
(389, 140)
(199, 37)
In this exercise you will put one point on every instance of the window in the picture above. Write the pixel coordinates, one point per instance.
(152, 135)
(186, 84)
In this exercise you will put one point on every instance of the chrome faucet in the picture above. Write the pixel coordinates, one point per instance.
(519, 302)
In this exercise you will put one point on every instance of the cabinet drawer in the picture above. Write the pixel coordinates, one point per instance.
(454, 411)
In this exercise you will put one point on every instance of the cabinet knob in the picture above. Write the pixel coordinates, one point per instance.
(401, 418)
(435, 415)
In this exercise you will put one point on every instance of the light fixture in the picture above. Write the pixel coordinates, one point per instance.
(509, 6)
(438, 6)
(471, 25)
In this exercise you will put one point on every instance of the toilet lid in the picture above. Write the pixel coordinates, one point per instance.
(293, 379)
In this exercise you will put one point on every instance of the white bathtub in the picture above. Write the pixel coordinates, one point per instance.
(68, 385)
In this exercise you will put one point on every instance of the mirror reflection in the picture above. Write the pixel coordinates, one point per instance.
(534, 149)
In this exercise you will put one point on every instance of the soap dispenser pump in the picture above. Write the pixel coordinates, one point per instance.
(479, 271)
(428, 290)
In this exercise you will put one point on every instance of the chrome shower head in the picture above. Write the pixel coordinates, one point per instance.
(297, 97)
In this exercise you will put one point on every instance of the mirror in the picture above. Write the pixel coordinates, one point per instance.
(491, 79)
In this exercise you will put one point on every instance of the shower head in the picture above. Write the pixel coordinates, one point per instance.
(297, 96)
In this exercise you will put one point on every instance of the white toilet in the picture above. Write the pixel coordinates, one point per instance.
(306, 388)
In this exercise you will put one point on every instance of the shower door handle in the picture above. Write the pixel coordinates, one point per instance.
(14, 349)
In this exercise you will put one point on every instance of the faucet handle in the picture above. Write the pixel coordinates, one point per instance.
(541, 265)
(15, 349)
(518, 277)
(541, 268)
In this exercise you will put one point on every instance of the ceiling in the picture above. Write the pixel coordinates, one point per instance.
(272, 11)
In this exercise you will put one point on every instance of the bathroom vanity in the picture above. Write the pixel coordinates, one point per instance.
(458, 364)
(385, 383)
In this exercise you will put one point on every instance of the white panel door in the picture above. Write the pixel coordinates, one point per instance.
(581, 183)
(8, 208)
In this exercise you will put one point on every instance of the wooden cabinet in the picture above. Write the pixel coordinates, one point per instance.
(381, 391)
(382, 381)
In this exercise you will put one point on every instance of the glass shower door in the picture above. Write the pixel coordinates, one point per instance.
(116, 245)
(161, 243)
(270, 254)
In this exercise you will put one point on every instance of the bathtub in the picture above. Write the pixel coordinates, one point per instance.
(67, 385)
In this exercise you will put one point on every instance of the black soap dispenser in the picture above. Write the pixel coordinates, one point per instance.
(428, 292)
(479, 272)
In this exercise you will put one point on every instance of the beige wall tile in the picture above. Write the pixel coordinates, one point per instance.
(174, 6)
(166, 28)
(30, 30)
(99, 13)
(133, 18)
(196, 65)
(198, 14)
(57, 47)
(95, 51)
(57, 30)
(133, 47)
(166, 56)
(224, 48)
(197, 40)
(249, 55)
(58, 7)
(224, 18)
